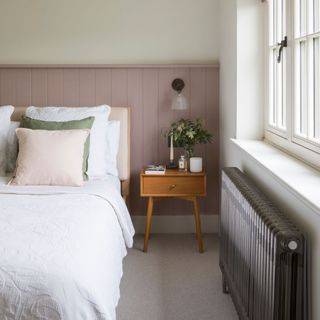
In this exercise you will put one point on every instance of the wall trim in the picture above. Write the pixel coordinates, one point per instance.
(107, 66)
(176, 224)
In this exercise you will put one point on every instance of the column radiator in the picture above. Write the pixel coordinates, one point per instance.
(262, 253)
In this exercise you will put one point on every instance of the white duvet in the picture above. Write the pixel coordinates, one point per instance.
(61, 251)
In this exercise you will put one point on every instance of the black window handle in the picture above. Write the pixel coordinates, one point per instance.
(282, 44)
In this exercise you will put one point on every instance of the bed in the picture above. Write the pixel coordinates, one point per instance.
(61, 248)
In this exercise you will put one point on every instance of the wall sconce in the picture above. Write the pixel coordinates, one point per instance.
(179, 101)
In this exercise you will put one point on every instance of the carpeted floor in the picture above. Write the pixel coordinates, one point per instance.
(173, 281)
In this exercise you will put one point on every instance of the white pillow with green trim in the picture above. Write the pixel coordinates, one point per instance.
(97, 165)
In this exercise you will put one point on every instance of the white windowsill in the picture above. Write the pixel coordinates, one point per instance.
(300, 179)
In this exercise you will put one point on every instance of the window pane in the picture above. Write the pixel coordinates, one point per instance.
(271, 89)
(271, 23)
(280, 92)
(277, 32)
(283, 19)
(316, 88)
(277, 110)
(280, 22)
(316, 16)
(283, 109)
(301, 110)
(272, 86)
(300, 22)
(303, 20)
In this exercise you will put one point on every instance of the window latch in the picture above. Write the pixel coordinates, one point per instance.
(282, 44)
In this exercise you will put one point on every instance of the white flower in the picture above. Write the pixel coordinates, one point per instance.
(190, 134)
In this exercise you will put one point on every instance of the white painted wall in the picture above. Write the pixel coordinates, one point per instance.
(108, 31)
(241, 116)
(228, 78)
(250, 69)
(241, 73)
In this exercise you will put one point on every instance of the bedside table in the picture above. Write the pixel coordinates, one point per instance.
(173, 184)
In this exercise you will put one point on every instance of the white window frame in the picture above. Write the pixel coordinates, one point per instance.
(302, 148)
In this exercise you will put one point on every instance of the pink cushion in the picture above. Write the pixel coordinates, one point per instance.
(50, 157)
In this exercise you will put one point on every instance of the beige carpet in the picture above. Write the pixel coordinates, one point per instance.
(173, 281)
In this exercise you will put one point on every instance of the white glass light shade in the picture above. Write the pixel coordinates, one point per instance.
(179, 102)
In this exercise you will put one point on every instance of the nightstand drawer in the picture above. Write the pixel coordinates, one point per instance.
(166, 186)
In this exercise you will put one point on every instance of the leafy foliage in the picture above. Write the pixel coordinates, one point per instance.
(187, 133)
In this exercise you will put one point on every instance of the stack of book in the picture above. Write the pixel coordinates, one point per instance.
(155, 169)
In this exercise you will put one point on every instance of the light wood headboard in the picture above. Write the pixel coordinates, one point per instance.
(117, 113)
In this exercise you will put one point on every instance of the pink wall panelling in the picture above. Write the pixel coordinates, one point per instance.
(147, 91)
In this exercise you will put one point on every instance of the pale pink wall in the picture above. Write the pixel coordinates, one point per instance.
(144, 88)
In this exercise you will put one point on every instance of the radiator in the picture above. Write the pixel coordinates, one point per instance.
(262, 253)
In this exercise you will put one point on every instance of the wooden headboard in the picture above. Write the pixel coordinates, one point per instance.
(117, 113)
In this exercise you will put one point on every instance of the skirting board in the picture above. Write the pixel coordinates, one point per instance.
(176, 224)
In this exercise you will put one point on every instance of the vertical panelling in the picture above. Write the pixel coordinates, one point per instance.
(198, 93)
(87, 84)
(198, 101)
(181, 207)
(135, 103)
(149, 94)
(103, 86)
(165, 117)
(39, 87)
(71, 88)
(198, 107)
(150, 116)
(150, 123)
(55, 87)
(212, 150)
(165, 113)
(119, 87)
(16, 86)
(7, 87)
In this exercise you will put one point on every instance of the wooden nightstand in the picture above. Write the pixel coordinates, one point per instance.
(173, 184)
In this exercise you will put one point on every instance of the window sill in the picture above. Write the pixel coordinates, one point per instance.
(307, 153)
(299, 178)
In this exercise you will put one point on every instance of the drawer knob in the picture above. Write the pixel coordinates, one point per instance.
(172, 186)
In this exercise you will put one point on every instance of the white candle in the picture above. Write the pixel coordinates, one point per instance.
(171, 149)
(195, 164)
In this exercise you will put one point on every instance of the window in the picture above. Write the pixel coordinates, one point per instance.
(293, 99)
(277, 74)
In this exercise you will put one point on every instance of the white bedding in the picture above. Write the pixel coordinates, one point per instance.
(108, 181)
(61, 251)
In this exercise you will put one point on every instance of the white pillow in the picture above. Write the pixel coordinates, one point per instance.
(5, 115)
(113, 140)
(97, 165)
(50, 157)
(12, 146)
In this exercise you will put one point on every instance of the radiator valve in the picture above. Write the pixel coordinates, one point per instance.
(293, 245)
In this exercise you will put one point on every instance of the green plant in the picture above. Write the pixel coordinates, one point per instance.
(187, 133)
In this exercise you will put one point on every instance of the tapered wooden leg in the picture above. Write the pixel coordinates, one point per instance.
(198, 223)
(148, 223)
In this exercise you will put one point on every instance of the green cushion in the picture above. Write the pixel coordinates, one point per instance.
(86, 123)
